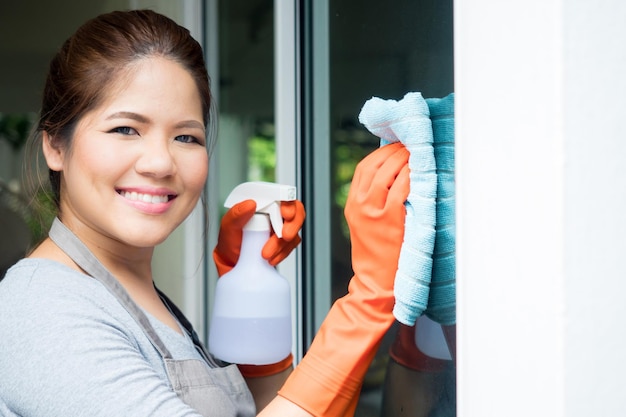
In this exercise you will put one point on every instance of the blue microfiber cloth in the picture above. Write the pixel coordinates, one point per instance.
(408, 121)
(442, 296)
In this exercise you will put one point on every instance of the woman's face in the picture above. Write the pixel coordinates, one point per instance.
(138, 162)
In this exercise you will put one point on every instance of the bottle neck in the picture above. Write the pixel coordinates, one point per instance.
(252, 244)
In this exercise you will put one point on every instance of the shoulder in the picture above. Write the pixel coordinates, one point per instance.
(44, 302)
(49, 310)
(43, 290)
(58, 329)
(38, 269)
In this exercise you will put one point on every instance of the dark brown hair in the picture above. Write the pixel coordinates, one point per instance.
(101, 51)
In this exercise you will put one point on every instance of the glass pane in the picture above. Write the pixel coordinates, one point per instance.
(246, 93)
(405, 46)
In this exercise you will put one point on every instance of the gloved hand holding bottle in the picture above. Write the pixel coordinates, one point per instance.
(288, 220)
(226, 252)
(263, 380)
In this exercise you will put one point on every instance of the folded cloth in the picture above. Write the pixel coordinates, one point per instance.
(442, 295)
(407, 121)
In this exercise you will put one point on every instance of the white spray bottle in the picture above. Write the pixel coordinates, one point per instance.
(251, 321)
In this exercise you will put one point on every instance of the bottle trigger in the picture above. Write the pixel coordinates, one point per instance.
(276, 219)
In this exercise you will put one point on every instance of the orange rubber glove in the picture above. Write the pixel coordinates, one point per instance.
(328, 380)
(226, 252)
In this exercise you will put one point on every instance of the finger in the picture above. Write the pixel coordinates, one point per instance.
(292, 225)
(239, 214)
(288, 209)
(367, 167)
(272, 247)
(279, 250)
(386, 176)
(399, 191)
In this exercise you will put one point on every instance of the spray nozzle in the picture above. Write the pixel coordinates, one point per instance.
(267, 196)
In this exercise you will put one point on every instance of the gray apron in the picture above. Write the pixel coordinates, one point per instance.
(207, 387)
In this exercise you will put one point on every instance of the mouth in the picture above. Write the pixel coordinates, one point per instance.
(145, 197)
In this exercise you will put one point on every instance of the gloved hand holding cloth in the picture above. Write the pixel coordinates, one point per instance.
(327, 381)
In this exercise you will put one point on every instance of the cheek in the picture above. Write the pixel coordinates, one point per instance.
(92, 158)
(98, 164)
(196, 171)
(87, 164)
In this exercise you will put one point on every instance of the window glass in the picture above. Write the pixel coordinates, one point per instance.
(246, 147)
(384, 51)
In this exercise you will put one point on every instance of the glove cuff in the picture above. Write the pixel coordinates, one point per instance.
(320, 389)
(255, 371)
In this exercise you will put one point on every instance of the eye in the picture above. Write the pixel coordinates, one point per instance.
(186, 139)
(124, 130)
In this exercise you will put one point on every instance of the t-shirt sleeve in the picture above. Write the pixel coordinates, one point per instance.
(68, 356)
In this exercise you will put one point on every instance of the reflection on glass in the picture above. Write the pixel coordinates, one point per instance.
(246, 149)
(386, 51)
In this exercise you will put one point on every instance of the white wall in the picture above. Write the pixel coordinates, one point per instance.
(595, 199)
(541, 197)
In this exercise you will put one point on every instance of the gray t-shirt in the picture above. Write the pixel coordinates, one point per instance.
(69, 348)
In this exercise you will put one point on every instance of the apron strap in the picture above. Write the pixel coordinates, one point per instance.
(188, 328)
(82, 256)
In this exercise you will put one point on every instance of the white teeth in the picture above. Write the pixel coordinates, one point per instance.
(146, 198)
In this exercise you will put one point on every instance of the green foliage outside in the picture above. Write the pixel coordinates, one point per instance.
(36, 210)
(15, 128)
(261, 159)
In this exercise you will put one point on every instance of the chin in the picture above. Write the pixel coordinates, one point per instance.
(145, 241)
(146, 237)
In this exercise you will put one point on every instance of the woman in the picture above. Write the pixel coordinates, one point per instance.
(84, 331)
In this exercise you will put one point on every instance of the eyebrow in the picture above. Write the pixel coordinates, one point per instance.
(128, 115)
(142, 119)
(190, 124)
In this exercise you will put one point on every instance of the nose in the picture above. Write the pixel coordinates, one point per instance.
(156, 158)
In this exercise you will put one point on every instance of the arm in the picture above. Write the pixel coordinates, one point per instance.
(282, 407)
(264, 388)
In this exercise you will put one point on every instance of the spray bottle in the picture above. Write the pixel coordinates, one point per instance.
(251, 321)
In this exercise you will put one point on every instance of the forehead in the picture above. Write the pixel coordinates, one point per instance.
(153, 84)
(150, 72)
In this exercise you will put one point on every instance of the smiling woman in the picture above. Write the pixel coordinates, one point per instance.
(123, 131)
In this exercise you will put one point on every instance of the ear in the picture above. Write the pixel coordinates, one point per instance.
(53, 153)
